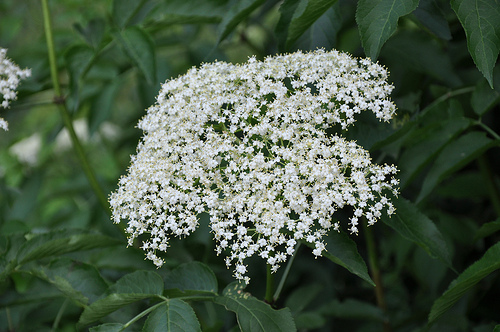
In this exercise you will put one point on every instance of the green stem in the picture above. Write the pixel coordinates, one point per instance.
(59, 315)
(269, 285)
(285, 273)
(489, 130)
(376, 275)
(59, 101)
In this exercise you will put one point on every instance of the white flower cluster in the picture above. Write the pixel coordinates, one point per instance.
(254, 145)
(10, 77)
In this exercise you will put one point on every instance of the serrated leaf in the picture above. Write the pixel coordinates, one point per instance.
(413, 225)
(108, 327)
(342, 250)
(489, 263)
(192, 276)
(78, 281)
(296, 17)
(174, 316)
(454, 156)
(103, 307)
(432, 17)
(139, 282)
(254, 315)
(139, 46)
(61, 242)
(238, 11)
(378, 19)
(488, 229)
(481, 22)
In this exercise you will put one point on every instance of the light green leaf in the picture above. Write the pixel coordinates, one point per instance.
(254, 315)
(378, 19)
(192, 276)
(413, 225)
(61, 242)
(173, 316)
(108, 327)
(489, 263)
(237, 12)
(139, 282)
(454, 156)
(481, 22)
(297, 17)
(139, 46)
(342, 250)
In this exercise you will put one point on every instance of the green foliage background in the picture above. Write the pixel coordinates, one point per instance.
(65, 267)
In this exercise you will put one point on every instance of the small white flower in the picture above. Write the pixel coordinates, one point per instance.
(10, 77)
(254, 146)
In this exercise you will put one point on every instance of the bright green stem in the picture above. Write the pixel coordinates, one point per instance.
(269, 285)
(59, 101)
(490, 183)
(376, 274)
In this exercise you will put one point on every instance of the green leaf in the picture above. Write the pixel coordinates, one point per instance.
(497, 328)
(432, 17)
(413, 225)
(174, 316)
(108, 327)
(236, 13)
(378, 19)
(454, 156)
(192, 276)
(481, 22)
(79, 59)
(301, 297)
(296, 17)
(425, 144)
(103, 307)
(342, 250)
(139, 46)
(100, 109)
(78, 281)
(139, 282)
(489, 263)
(484, 98)
(254, 315)
(191, 11)
(488, 229)
(125, 10)
(61, 242)
(93, 32)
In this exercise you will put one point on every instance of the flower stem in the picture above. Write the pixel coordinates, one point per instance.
(376, 275)
(59, 101)
(285, 274)
(269, 285)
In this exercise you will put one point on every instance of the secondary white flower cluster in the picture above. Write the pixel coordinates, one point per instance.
(254, 145)
(10, 77)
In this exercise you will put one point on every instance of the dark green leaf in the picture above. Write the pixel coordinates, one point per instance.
(432, 17)
(489, 263)
(237, 12)
(378, 19)
(125, 10)
(497, 328)
(455, 156)
(413, 225)
(101, 107)
(488, 229)
(173, 316)
(484, 98)
(191, 11)
(78, 281)
(139, 282)
(254, 315)
(61, 242)
(103, 307)
(108, 327)
(192, 276)
(139, 46)
(302, 297)
(297, 17)
(481, 22)
(342, 250)
(93, 32)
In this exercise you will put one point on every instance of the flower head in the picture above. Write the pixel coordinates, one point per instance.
(10, 77)
(254, 146)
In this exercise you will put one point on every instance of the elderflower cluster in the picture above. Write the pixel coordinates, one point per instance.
(10, 77)
(254, 145)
